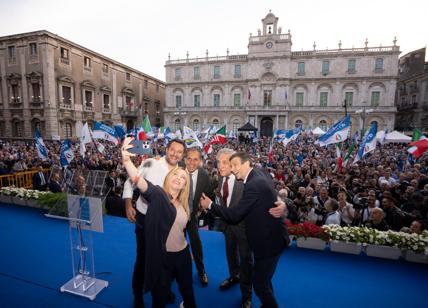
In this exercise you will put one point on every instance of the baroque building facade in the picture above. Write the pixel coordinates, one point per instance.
(412, 92)
(55, 85)
(273, 87)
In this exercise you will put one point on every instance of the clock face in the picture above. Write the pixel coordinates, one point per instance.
(269, 45)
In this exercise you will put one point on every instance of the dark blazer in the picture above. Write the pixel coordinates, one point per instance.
(267, 235)
(238, 188)
(203, 185)
(37, 182)
(54, 187)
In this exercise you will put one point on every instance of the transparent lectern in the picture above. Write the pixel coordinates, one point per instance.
(84, 211)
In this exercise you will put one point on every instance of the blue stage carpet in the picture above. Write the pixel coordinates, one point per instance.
(35, 261)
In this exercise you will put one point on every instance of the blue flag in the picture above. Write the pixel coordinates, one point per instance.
(102, 131)
(42, 151)
(337, 133)
(66, 154)
(368, 144)
(120, 131)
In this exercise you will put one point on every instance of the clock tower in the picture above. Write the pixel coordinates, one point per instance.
(270, 41)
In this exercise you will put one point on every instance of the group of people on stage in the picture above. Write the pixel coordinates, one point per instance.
(170, 199)
(386, 190)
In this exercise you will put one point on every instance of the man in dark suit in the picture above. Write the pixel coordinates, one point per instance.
(111, 182)
(54, 185)
(238, 253)
(199, 183)
(267, 236)
(39, 180)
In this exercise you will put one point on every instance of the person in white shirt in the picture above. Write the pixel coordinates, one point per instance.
(155, 171)
(333, 215)
(346, 209)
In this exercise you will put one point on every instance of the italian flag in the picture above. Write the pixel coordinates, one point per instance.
(348, 155)
(418, 147)
(218, 138)
(145, 129)
(339, 156)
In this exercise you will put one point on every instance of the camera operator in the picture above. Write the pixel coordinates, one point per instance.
(319, 205)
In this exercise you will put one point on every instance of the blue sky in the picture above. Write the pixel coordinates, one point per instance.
(142, 33)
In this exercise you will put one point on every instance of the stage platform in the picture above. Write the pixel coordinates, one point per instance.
(35, 263)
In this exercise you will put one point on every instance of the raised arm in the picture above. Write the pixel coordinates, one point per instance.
(132, 171)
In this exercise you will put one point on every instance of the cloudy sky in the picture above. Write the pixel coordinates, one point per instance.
(142, 33)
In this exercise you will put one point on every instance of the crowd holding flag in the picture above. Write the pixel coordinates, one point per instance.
(291, 135)
(42, 151)
(105, 132)
(368, 144)
(337, 133)
(418, 145)
(190, 138)
(85, 137)
(66, 153)
(218, 138)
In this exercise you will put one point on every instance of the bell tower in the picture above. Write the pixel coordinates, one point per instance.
(270, 40)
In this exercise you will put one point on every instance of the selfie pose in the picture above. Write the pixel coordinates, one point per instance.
(167, 253)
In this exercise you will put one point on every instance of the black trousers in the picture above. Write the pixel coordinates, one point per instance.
(263, 273)
(239, 257)
(195, 243)
(179, 266)
(138, 275)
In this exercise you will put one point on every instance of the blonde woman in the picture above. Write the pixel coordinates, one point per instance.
(167, 253)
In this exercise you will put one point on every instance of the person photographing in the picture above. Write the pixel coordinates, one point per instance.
(167, 252)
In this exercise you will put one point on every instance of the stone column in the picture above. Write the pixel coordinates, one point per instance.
(49, 92)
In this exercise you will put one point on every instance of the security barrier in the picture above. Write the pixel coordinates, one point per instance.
(21, 179)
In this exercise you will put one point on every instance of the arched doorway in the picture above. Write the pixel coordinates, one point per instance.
(266, 127)
(129, 124)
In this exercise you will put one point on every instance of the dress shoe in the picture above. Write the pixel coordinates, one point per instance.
(204, 279)
(228, 283)
(246, 303)
(170, 297)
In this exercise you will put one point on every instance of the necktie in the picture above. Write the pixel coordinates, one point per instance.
(42, 179)
(225, 191)
(191, 192)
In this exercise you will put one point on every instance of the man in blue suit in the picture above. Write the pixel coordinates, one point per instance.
(267, 236)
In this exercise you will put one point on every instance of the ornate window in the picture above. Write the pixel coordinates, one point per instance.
(323, 99)
(178, 101)
(177, 124)
(195, 125)
(375, 99)
(216, 100)
(323, 125)
(300, 96)
(267, 98)
(197, 100)
(237, 99)
(349, 98)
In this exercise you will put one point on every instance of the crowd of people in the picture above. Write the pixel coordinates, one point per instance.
(387, 190)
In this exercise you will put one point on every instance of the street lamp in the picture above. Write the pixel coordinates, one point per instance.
(363, 114)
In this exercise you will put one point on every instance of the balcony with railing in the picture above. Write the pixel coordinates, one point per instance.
(354, 51)
(207, 59)
(129, 112)
(88, 108)
(407, 106)
(65, 61)
(66, 106)
(106, 110)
